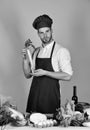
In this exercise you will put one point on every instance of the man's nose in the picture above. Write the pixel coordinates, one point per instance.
(45, 34)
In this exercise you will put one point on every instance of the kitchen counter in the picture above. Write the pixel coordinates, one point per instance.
(8, 127)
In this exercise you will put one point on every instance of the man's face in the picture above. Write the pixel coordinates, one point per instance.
(45, 34)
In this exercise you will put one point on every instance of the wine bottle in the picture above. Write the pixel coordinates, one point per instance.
(74, 97)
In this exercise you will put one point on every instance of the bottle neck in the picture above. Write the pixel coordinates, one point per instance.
(74, 91)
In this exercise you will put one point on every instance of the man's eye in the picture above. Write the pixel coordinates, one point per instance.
(47, 30)
(41, 33)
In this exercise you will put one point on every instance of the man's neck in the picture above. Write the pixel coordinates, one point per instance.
(45, 44)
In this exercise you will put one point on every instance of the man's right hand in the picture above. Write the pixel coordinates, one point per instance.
(24, 53)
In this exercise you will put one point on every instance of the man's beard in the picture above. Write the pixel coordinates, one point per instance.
(47, 40)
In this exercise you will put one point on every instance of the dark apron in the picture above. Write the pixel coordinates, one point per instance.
(44, 96)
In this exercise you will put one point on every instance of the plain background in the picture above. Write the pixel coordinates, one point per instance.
(71, 28)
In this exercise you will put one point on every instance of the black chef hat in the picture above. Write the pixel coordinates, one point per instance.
(42, 21)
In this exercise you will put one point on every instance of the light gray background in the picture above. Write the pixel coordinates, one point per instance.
(71, 29)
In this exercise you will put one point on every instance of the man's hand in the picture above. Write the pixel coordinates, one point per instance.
(24, 53)
(39, 72)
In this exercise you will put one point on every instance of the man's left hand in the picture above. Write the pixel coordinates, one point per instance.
(39, 72)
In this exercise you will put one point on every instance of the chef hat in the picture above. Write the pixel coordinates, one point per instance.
(42, 21)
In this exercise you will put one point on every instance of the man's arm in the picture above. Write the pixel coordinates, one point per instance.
(59, 75)
(55, 75)
(26, 64)
(26, 68)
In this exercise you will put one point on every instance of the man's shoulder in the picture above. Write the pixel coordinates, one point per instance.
(61, 49)
(59, 46)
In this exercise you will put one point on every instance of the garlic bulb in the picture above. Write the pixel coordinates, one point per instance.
(37, 117)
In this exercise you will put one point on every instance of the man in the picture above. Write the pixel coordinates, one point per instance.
(52, 63)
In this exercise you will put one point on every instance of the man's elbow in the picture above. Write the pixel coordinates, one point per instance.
(69, 77)
(27, 76)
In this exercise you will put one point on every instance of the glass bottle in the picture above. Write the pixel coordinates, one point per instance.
(74, 97)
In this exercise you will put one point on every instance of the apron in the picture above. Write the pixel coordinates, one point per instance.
(44, 96)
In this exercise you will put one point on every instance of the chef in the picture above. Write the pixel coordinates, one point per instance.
(51, 63)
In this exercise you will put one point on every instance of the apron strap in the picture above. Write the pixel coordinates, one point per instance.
(37, 52)
(52, 50)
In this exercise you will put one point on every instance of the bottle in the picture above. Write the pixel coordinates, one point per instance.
(74, 97)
